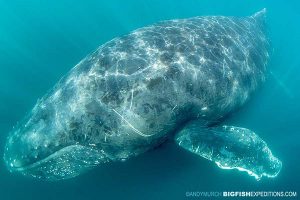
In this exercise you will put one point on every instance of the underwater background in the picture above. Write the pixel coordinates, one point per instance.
(42, 40)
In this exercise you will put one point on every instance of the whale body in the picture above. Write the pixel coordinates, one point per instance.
(175, 79)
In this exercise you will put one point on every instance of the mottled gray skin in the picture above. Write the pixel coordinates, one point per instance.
(135, 91)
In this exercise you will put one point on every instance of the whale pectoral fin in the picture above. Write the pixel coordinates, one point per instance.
(230, 148)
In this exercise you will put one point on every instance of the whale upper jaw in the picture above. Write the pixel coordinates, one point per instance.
(65, 163)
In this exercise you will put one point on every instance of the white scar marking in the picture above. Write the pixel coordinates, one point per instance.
(174, 108)
(131, 100)
(131, 126)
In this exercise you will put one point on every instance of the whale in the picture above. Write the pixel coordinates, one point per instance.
(175, 80)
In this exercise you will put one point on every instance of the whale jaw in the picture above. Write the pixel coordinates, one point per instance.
(65, 163)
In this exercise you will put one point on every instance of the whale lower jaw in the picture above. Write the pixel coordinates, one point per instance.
(66, 163)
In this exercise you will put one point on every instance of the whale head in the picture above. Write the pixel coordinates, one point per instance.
(44, 145)
(30, 139)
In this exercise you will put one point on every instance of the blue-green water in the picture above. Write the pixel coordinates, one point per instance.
(42, 40)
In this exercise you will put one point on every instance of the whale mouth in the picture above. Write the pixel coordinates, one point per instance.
(65, 163)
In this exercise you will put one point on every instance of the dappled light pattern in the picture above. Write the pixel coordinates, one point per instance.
(131, 93)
